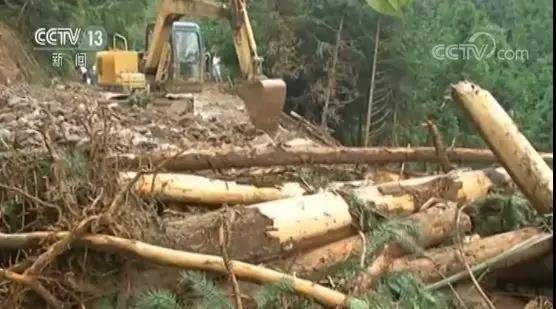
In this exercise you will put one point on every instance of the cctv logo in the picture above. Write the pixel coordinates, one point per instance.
(57, 37)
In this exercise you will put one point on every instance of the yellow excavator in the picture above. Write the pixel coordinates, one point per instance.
(174, 60)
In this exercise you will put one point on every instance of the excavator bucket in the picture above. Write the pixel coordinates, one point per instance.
(264, 101)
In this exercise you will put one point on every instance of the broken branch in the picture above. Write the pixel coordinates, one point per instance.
(33, 284)
(440, 147)
(187, 260)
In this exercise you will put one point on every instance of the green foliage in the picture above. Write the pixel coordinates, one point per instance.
(389, 7)
(502, 213)
(12, 214)
(365, 214)
(77, 165)
(404, 232)
(103, 303)
(280, 295)
(524, 88)
(271, 292)
(411, 294)
(159, 299)
(127, 17)
(211, 296)
(345, 270)
(139, 99)
(297, 40)
(400, 291)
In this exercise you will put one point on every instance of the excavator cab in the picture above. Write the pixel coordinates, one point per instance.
(183, 58)
(175, 56)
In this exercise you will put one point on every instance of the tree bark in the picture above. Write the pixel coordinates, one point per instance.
(281, 156)
(266, 231)
(273, 229)
(201, 190)
(436, 224)
(517, 155)
(407, 196)
(443, 262)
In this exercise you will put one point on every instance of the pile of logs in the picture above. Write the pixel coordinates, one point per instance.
(304, 233)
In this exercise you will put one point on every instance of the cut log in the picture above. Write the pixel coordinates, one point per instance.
(201, 190)
(407, 196)
(268, 230)
(445, 261)
(258, 232)
(273, 229)
(174, 258)
(436, 225)
(282, 156)
(517, 155)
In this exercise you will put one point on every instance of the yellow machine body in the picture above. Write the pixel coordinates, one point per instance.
(120, 68)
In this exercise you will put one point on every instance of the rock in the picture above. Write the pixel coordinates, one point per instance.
(6, 135)
(178, 108)
(300, 142)
(262, 140)
(142, 130)
(22, 121)
(13, 101)
(7, 118)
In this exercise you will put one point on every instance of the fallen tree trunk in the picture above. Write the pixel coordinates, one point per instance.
(256, 233)
(443, 262)
(201, 190)
(407, 196)
(264, 157)
(436, 224)
(268, 230)
(174, 258)
(517, 155)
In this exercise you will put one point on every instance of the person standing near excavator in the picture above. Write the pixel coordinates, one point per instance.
(216, 67)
